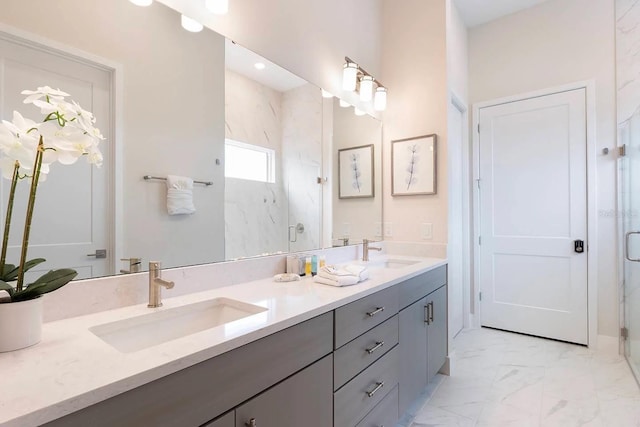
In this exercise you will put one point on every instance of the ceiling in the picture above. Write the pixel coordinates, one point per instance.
(242, 61)
(477, 12)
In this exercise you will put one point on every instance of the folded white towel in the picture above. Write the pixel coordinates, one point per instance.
(359, 270)
(340, 281)
(180, 195)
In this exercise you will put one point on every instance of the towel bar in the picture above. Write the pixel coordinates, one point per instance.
(148, 177)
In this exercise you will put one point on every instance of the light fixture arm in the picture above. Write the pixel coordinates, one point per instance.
(364, 72)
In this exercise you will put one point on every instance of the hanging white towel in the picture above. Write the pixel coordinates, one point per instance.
(180, 195)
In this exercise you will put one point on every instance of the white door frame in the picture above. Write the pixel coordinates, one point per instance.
(465, 190)
(592, 203)
(115, 206)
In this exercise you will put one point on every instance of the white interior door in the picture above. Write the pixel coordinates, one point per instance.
(533, 206)
(71, 211)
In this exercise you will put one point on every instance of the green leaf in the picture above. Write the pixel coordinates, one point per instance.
(49, 282)
(12, 274)
(4, 286)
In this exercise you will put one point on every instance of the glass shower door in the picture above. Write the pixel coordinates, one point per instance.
(629, 133)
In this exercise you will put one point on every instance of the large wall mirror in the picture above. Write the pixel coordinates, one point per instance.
(171, 102)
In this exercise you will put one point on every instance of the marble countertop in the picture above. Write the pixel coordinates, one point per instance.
(72, 368)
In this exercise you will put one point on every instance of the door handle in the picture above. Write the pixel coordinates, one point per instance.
(295, 234)
(627, 237)
(100, 253)
(578, 246)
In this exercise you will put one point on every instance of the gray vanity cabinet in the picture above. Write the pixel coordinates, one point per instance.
(228, 420)
(437, 332)
(413, 352)
(422, 333)
(304, 399)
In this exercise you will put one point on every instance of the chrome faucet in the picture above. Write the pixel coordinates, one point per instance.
(366, 248)
(155, 281)
(134, 265)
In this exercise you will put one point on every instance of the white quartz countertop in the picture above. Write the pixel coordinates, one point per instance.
(72, 368)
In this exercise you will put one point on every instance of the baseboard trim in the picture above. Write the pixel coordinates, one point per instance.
(606, 344)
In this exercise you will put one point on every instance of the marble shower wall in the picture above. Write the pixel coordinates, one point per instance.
(627, 58)
(255, 212)
(302, 162)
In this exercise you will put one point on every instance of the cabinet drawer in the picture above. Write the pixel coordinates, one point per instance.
(354, 319)
(228, 420)
(384, 414)
(352, 358)
(360, 395)
(411, 290)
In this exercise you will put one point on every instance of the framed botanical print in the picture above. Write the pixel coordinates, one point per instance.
(355, 172)
(413, 166)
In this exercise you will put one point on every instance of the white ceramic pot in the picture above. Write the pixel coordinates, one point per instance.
(20, 324)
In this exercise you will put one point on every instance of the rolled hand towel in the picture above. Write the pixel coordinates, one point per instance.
(180, 195)
(340, 281)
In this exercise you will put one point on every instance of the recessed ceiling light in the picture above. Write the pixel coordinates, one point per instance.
(259, 66)
(191, 25)
(142, 2)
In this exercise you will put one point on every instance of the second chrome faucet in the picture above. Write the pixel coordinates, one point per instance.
(155, 283)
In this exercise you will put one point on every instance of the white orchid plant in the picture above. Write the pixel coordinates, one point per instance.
(28, 150)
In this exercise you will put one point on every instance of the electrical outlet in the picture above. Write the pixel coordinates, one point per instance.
(377, 229)
(346, 229)
(426, 231)
(388, 229)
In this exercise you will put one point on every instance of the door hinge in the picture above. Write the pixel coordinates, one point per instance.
(478, 127)
(480, 296)
(622, 150)
(479, 240)
(478, 183)
(624, 333)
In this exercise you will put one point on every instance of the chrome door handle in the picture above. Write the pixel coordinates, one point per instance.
(375, 390)
(100, 253)
(376, 311)
(374, 348)
(626, 246)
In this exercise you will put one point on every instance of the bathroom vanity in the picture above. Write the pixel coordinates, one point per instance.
(317, 356)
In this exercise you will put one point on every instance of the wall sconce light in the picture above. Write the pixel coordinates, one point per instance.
(191, 25)
(219, 7)
(380, 100)
(358, 111)
(344, 104)
(142, 2)
(350, 76)
(326, 94)
(355, 78)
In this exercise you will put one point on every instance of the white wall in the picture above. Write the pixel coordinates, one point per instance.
(173, 108)
(414, 55)
(555, 43)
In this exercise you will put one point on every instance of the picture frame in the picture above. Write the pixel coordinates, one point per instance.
(414, 166)
(356, 172)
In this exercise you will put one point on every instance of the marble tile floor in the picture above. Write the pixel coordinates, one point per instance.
(506, 379)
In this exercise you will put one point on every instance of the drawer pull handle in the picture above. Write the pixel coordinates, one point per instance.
(374, 348)
(376, 311)
(375, 390)
(251, 423)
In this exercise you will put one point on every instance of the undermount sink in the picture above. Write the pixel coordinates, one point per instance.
(148, 330)
(393, 263)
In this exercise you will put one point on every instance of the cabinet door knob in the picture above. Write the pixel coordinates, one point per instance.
(251, 423)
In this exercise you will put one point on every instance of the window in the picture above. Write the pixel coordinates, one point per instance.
(246, 161)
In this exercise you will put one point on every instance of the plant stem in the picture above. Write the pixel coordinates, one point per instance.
(32, 201)
(7, 221)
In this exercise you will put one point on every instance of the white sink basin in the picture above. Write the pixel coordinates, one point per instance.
(392, 263)
(148, 330)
